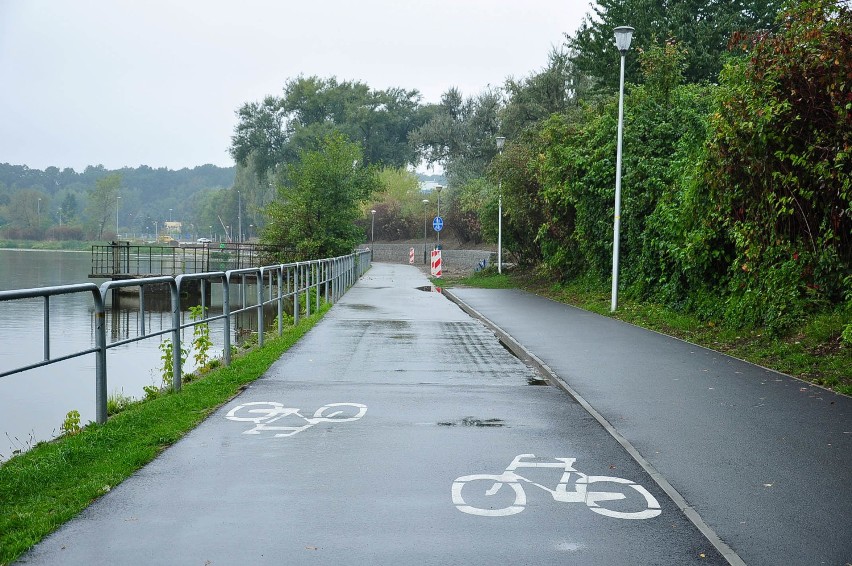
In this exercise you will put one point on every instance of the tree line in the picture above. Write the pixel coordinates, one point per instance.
(69, 205)
(736, 179)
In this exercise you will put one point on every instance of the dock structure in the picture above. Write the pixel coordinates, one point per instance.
(123, 260)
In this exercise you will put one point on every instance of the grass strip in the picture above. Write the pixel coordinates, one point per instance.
(48, 485)
(813, 352)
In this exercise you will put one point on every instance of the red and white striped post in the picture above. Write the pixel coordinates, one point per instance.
(436, 263)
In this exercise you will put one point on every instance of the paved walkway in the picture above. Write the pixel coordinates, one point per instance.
(400, 431)
(765, 459)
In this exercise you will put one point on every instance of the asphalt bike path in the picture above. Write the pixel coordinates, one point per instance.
(762, 459)
(399, 430)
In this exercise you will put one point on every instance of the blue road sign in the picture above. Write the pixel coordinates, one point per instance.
(438, 224)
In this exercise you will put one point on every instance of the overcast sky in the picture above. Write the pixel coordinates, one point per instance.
(157, 82)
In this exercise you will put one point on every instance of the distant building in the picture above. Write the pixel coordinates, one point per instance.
(428, 186)
(173, 228)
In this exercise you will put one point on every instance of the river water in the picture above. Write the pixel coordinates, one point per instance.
(33, 404)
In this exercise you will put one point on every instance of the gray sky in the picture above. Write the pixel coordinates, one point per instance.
(157, 82)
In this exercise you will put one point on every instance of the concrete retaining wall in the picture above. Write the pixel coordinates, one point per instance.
(462, 260)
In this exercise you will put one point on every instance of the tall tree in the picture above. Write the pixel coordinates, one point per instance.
(549, 91)
(278, 129)
(460, 134)
(101, 206)
(703, 27)
(317, 205)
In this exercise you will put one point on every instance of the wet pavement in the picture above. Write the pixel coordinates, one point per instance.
(764, 459)
(401, 431)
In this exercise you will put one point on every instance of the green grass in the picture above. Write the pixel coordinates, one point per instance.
(813, 352)
(48, 485)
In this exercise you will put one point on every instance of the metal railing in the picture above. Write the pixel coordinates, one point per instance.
(121, 260)
(302, 282)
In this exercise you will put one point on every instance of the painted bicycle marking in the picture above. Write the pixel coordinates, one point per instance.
(264, 413)
(473, 494)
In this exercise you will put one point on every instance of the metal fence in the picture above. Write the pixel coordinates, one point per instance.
(304, 283)
(121, 260)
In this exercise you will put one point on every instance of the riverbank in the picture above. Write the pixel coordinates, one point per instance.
(814, 352)
(46, 486)
(57, 245)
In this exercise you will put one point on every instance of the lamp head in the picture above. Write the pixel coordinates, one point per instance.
(623, 36)
(500, 142)
(438, 188)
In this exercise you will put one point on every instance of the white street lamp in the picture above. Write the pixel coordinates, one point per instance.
(117, 204)
(623, 35)
(373, 228)
(500, 142)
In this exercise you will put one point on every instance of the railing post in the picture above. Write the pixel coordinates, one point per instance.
(308, 289)
(176, 351)
(142, 310)
(100, 360)
(318, 281)
(280, 300)
(46, 327)
(324, 267)
(296, 295)
(260, 324)
(226, 310)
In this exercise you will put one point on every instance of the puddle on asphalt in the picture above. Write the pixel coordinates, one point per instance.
(359, 307)
(536, 381)
(429, 289)
(471, 421)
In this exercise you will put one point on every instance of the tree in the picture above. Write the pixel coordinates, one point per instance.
(316, 208)
(460, 134)
(779, 170)
(702, 27)
(278, 129)
(398, 205)
(102, 202)
(549, 91)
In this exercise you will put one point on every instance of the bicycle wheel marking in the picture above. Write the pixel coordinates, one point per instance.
(503, 494)
(264, 413)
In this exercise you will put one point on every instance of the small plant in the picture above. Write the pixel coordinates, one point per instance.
(168, 359)
(71, 424)
(151, 392)
(117, 402)
(201, 342)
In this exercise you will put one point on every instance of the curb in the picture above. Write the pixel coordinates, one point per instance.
(542, 368)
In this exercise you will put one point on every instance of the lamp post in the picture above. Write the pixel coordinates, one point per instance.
(156, 231)
(240, 216)
(500, 142)
(38, 213)
(117, 204)
(438, 188)
(425, 220)
(623, 35)
(373, 227)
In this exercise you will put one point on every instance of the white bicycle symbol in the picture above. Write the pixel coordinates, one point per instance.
(264, 413)
(480, 488)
